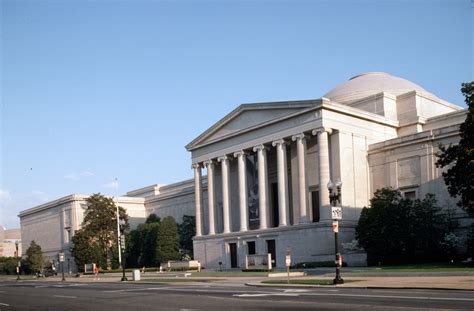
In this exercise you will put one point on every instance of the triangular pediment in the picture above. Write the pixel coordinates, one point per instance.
(247, 117)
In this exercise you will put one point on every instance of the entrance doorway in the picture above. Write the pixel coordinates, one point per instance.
(233, 255)
(271, 249)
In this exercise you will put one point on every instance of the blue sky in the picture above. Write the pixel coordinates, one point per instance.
(94, 91)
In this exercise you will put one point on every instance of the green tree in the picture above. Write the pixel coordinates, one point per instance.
(152, 218)
(398, 230)
(35, 260)
(135, 243)
(8, 265)
(168, 240)
(186, 231)
(150, 233)
(142, 250)
(97, 240)
(85, 250)
(459, 158)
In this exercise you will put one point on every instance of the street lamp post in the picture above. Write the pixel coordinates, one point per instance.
(336, 211)
(17, 261)
(61, 261)
(122, 248)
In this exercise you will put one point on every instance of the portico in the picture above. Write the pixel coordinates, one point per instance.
(266, 185)
(260, 150)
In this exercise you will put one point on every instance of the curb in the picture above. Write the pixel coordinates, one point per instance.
(351, 287)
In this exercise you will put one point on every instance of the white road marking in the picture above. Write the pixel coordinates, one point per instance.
(397, 297)
(135, 289)
(265, 295)
(296, 291)
(4, 304)
(61, 296)
(385, 291)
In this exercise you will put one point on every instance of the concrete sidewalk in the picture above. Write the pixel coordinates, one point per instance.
(425, 281)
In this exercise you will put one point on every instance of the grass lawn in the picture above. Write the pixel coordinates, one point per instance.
(307, 282)
(432, 267)
(228, 274)
(179, 280)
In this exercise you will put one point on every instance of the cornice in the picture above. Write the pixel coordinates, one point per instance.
(52, 204)
(74, 198)
(430, 97)
(358, 113)
(423, 137)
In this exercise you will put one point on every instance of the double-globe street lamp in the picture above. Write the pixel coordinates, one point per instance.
(61, 262)
(335, 193)
(17, 261)
(122, 247)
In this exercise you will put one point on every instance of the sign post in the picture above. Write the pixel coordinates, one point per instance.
(336, 215)
(288, 264)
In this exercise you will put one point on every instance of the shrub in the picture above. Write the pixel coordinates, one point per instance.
(396, 230)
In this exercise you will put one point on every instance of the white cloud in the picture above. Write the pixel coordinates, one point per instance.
(86, 174)
(38, 197)
(71, 176)
(10, 208)
(4, 195)
(111, 185)
(75, 177)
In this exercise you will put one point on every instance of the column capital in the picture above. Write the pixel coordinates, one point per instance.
(240, 153)
(298, 137)
(260, 147)
(208, 162)
(322, 130)
(222, 158)
(196, 165)
(279, 142)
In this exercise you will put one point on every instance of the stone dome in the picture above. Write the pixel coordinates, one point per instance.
(371, 83)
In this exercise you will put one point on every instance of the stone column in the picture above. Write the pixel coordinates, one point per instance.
(211, 196)
(262, 185)
(225, 192)
(243, 205)
(324, 172)
(198, 197)
(302, 180)
(282, 171)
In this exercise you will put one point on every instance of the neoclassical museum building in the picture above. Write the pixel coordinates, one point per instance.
(261, 172)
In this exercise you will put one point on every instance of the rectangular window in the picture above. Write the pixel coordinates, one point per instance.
(251, 248)
(410, 194)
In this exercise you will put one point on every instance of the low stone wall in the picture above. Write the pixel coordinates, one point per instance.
(191, 264)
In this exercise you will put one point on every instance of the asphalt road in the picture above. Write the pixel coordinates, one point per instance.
(37, 295)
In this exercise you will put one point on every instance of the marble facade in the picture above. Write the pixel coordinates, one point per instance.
(373, 131)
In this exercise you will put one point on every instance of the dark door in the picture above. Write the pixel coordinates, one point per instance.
(233, 255)
(272, 251)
